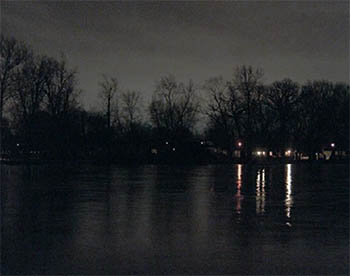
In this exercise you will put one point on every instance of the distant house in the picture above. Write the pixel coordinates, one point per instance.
(260, 153)
(329, 153)
(237, 153)
(210, 147)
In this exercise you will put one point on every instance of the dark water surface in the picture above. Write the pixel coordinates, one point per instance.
(218, 219)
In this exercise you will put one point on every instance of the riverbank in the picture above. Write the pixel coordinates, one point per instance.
(22, 161)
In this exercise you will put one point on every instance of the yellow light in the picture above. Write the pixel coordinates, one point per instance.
(239, 175)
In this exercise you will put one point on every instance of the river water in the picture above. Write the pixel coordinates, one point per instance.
(216, 219)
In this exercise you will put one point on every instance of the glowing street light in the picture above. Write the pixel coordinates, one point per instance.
(174, 149)
(166, 142)
(332, 145)
(240, 144)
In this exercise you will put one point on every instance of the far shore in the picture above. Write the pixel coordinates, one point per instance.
(16, 162)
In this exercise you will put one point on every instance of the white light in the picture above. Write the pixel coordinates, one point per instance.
(202, 143)
(238, 195)
(263, 153)
(166, 142)
(260, 191)
(173, 149)
(17, 145)
(259, 152)
(289, 198)
(332, 145)
(239, 144)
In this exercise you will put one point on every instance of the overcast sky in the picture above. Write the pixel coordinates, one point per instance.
(138, 42)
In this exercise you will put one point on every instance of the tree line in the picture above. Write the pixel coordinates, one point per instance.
(40, 113)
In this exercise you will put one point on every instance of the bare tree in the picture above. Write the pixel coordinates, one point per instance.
(131, 109)
(174, 107)
(246, 81)
(188, 106)
(315, 109)
(162, 108)
(220, 108)
(282, 97)
(60, 88)
(13, 56)
(263, 118)
(28, 93)
(109, 89)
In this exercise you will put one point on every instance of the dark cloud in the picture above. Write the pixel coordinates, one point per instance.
(140, 41)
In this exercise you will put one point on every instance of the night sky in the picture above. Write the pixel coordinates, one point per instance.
(138, 42)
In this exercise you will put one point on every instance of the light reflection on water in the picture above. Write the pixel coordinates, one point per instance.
(165, 220)
(260, 191)
(238, 196)
(289, 198)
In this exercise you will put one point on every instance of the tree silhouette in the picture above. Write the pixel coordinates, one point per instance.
(130, 109)
(46, 116)
(313, 107)
(27, 94)
(247, 81)
(224, 111)
(282, 98)
(174, 107)
(108, 92)
(13, 55)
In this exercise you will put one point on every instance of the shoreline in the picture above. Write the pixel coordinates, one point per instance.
(168, 162)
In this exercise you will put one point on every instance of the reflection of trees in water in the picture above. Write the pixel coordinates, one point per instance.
(72, 220)
(38, 214)
(222, 178)
(171, 186)
(179, 213)
(173, 179)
